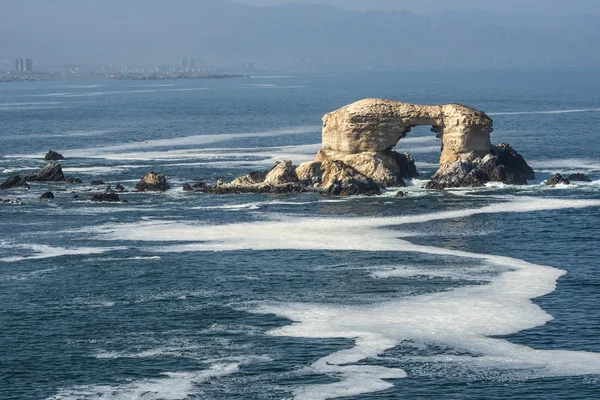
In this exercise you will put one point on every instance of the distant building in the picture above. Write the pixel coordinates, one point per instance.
(190, 63)
(247, 66)
(24, 64)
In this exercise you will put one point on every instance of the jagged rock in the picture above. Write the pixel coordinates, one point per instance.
(340, 179)
(310, 173)
(557, 179)
(97, 182)
(47, 195)
(119, 188)
(198, 185)
(406, 165)
(50, 173)
(399, 195)
(253, 178)
(52, 155)
(15, 181)
(230, 188)
(152, 182)
(109, 197)
(187, 187)
(73, 180)
(382, 167)
(578, 178)
(281, 178)
(282, 172)
(376, 125)
(502, 164)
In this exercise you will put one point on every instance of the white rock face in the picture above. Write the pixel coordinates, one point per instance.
(376, 125)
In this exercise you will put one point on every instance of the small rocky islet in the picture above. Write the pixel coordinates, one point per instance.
(357, 157)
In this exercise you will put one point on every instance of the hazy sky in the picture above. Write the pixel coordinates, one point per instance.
(545, 7)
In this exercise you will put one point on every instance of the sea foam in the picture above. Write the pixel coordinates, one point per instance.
(467, 318)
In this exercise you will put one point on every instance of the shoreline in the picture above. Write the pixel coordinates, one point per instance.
(114, 76)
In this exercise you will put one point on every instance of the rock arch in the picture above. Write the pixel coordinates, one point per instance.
(376, 126)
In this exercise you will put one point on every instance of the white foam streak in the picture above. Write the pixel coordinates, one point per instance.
(173, 386)
(580, 110)
(45, 251)
(568, 165)
(141, 148)
(466, 318)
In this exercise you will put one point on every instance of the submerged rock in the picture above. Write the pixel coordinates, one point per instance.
(119, 188)
(152, 182)
(47, 195)
(73, 180)
(187, 187)
(52, 155)
(557, 179)
(50, 173)
(109, 197)
(14, 182)
(97, 182)
(578, 178)
(501, 164)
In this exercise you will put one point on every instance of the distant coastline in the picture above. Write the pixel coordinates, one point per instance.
(36, 77)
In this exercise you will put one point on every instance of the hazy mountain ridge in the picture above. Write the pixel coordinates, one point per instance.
(312, 37)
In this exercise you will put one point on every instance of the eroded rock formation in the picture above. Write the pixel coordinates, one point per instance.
(357, 155)
(376, 125)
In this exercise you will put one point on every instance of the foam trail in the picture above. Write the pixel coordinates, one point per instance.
(466, 318)
(565, 165)
(45, 251)
(581, 110)
(141, 148)
(174, 386)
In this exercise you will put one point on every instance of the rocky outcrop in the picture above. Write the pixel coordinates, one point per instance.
(329, 178)
(52, 155)
(578, 178)
(14, 182)
(557, 179)
(106, 197)
(97, 182)
(47, 196)
(376, 125)
(357, 155)
(282, 178)
(501, 164)
(50, 173)
(152, 182)
(387, 168)
(340, 179)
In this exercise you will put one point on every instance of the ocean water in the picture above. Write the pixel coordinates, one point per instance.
(464, 294)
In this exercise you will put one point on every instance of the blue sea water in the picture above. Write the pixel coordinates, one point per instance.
(464, 294)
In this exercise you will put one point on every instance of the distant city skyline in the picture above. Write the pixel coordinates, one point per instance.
(114, 35)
